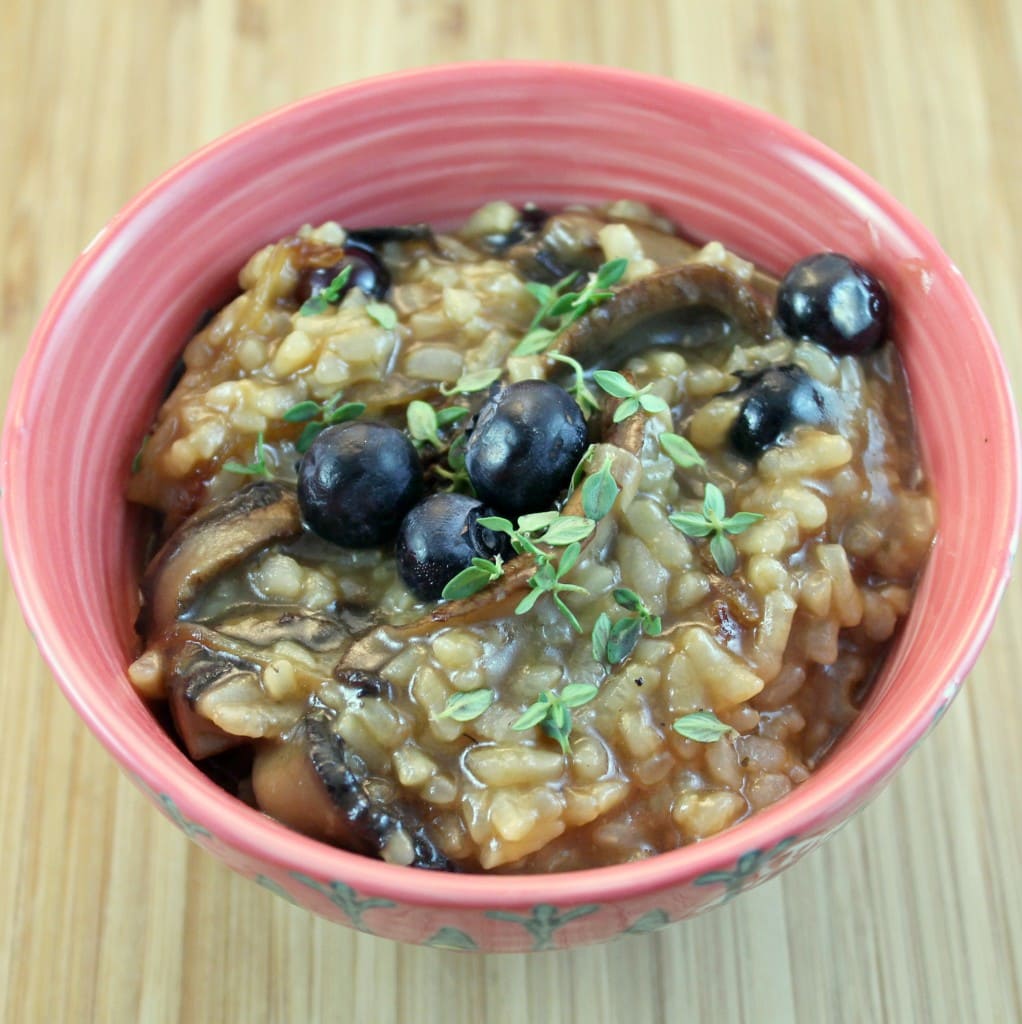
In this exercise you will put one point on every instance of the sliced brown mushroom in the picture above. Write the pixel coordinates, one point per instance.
(567, 242)
(213, 676)
(570, 241)
(684, 307)
(195, 670)
(211, 541)
(315, 785)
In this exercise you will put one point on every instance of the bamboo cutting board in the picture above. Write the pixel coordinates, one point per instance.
(911, 913)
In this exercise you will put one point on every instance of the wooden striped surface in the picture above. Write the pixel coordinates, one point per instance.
(911, 913)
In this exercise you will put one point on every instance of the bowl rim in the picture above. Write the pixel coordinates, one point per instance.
(822, 799)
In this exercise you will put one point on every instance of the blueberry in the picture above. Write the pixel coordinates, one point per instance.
(367, 273)
(525, 444)
(830, 299)
(440, 537)
(357, 481)
(778, 398)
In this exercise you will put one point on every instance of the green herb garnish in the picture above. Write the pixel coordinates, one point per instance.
(464, 707)
(681, 450)
(549, 528)
(541, 528)
(329, 296)
(473, 578)
(600, 636)
(713, 522)
(587, 401)
(614, 641)
(600, 491)
(317, 416)
(257, 467)
(579, 472)
(383, 314)
(564, 307)
(703, 727)
(632, 398)
(548, 579)
(425, 422)
(136, 461)
(454, 472)
(552, 712)
(469, 383)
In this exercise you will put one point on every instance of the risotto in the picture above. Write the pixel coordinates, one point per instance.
(552, 542)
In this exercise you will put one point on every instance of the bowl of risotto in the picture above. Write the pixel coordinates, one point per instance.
(520, 505)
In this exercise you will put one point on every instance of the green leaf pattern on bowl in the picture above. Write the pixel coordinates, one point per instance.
(543, 921)
(344, 897)
(747, 870)
(276, 888)
(452, 938)
(651, 921)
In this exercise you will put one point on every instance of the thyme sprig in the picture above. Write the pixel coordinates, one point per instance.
(562, 307)
(548, 579)
(550, 528)
(258, 466)
(614, 641)
(587, 401)
(552, 712)
(329, 296)
(317, 416)
(714, 522)
(632, 398)
(554, 530)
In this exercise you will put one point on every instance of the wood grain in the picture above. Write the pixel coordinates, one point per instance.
(912, 913)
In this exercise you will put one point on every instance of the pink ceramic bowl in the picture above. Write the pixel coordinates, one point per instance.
(433, 145)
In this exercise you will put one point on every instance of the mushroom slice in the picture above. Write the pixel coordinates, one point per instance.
(684, 307)
(312, 783)
(216, 695)
(263, 627)
(211, 541)
(567, 242)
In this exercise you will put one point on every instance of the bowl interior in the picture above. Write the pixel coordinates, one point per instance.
(433, 146)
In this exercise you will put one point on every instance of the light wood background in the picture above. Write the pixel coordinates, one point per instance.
(912, 913)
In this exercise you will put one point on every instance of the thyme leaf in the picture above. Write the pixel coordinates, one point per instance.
(384, 315)
(468, 383)
(703, 727)
(681, 450)
(473, 578)
(600, 491)
(329, 296)
(464, 707)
